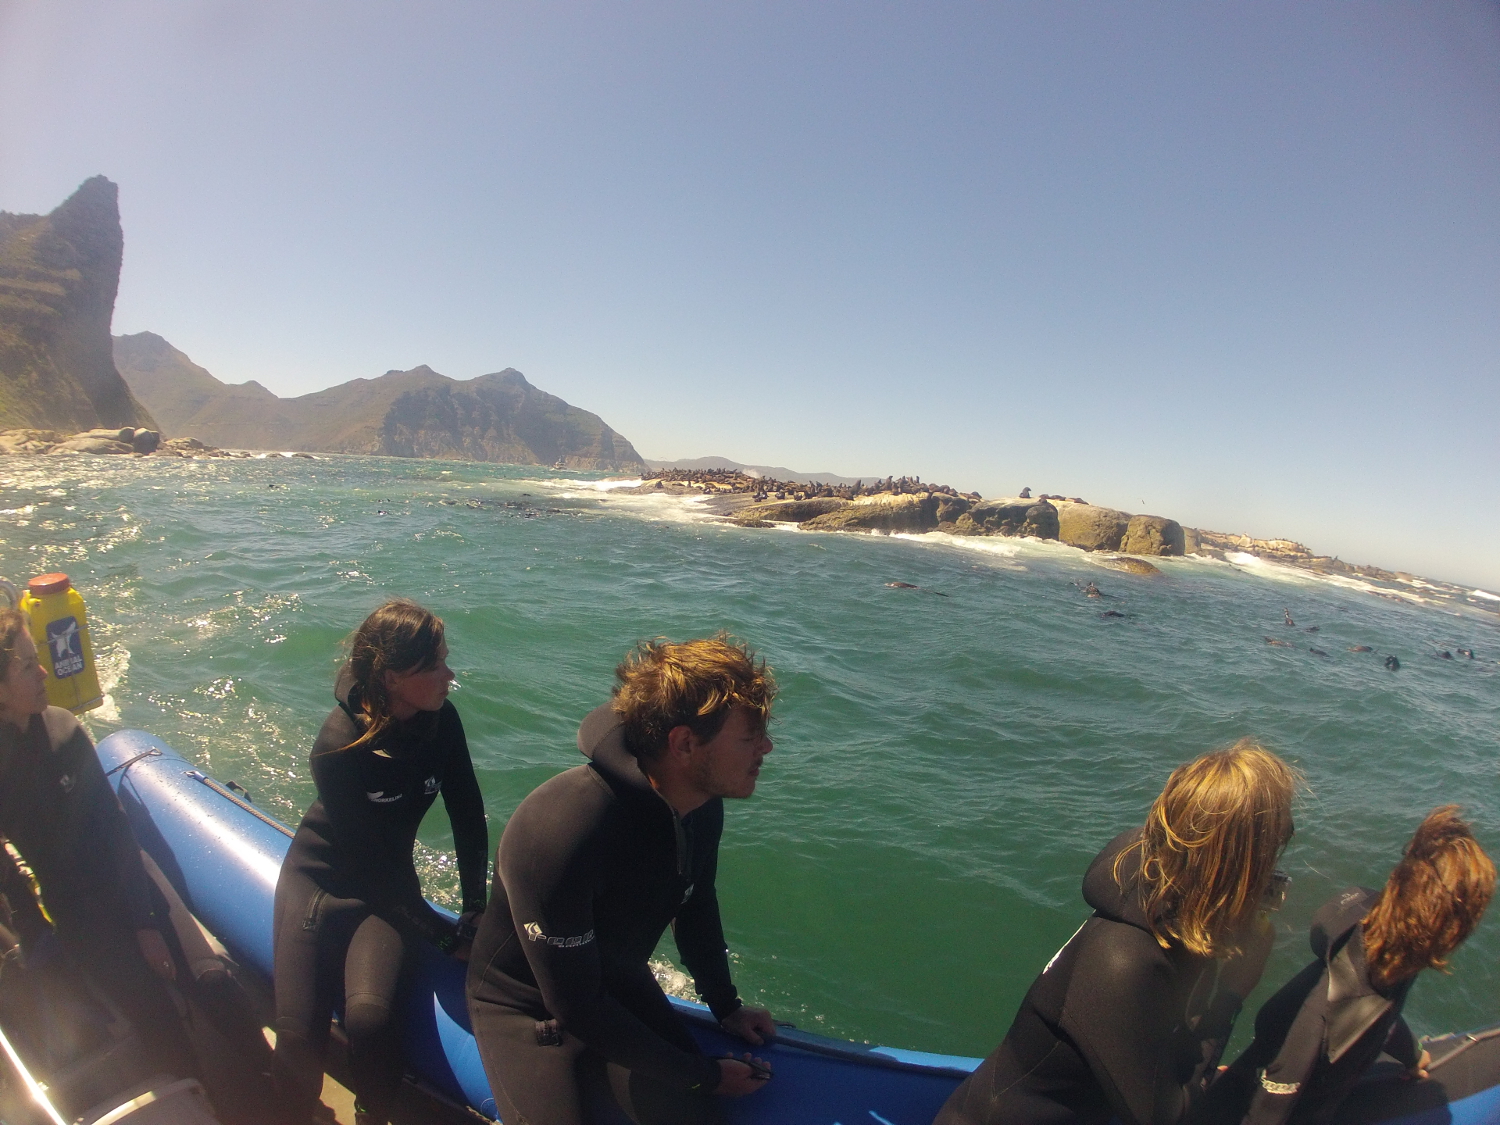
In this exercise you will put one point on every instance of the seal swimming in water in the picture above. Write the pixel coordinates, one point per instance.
(1360, 648)
(1278, 644)
(1393, 664)
(902, 586)
(1111, 613)
(1442, 654)
(1466, 652)
(1317, 652)
(1312, 628)
(1288, 615)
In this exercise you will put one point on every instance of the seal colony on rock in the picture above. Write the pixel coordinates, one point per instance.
(906, 505)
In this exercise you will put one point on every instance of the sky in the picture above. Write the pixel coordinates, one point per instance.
(1233, 263)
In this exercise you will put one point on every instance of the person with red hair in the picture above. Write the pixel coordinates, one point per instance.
(1323, 1029)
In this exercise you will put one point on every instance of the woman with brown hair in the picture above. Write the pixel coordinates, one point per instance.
(1129, 1017)
(58, 811)
(1324, 1028)
(349, 905)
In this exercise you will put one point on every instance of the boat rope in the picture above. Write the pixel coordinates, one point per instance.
(154, 752)
(234, 798)
(1469, 1039)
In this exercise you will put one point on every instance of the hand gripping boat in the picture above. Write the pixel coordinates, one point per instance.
(223, 855)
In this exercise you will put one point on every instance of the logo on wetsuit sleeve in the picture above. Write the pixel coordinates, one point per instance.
(67, 781)
(431, 786)
(380, 798)
(534, 932)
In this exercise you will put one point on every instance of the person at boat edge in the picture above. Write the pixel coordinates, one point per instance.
(1325, 1027)
(1128, 1019)
(349, 910)
(592, 868)
(58, 811)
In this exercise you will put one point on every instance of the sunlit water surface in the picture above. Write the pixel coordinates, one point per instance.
(945, 766)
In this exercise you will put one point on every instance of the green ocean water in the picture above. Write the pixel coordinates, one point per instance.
(947, 759)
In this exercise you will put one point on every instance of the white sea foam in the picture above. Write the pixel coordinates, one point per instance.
(601, 485)
(1485, 594)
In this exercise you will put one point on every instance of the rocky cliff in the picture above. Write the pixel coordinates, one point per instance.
(417, 413)
(59, 274)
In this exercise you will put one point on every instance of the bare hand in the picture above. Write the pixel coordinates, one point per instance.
(738, 1078)
(1419, 1072)
(753, 1025)
(158, 956)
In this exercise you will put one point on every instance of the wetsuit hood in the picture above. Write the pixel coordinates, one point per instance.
(1331, 925)
(346, 692)
(601, 739)
(1118, 900)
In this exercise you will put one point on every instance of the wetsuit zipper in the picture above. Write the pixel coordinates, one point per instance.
(314, 909)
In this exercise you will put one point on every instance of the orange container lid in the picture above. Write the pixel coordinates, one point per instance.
(44, 584)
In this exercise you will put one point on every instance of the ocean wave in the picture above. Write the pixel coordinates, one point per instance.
(1485, 594)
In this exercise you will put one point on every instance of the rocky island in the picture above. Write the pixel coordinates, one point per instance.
(1124, 540)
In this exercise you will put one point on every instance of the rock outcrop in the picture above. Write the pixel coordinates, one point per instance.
(1130, 565)
(1091, 527)
(59, 274)
(1153, 535)
(127, 439)
(789, 511)
(1037, 519)
(416, 413)
(884, 512)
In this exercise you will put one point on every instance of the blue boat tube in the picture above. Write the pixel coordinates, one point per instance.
(224, 855)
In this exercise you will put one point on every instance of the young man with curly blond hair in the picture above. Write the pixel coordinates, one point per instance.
(592, 868)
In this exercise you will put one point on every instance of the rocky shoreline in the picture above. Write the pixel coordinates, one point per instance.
(137, 442)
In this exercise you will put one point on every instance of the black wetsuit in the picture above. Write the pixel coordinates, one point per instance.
(1115, 1026)
(592, 868)
(1322, 1030)
(349, 905)
(58, 810)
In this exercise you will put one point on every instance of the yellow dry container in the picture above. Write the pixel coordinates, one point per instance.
(60, 628)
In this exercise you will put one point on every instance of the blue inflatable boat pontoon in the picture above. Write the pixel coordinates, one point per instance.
(223, 855)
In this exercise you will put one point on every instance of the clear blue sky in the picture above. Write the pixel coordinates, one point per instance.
(1235, 263)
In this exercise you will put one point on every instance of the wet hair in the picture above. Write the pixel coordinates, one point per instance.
(1210, 846)
(12, 624)
(1432, 901)
(664, 685)
(400, 636)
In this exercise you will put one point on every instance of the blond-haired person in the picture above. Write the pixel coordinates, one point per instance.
(1324, 1028)
(592, 868)
(1128, 1018)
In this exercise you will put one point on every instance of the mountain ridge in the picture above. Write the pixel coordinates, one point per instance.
(498, 417)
